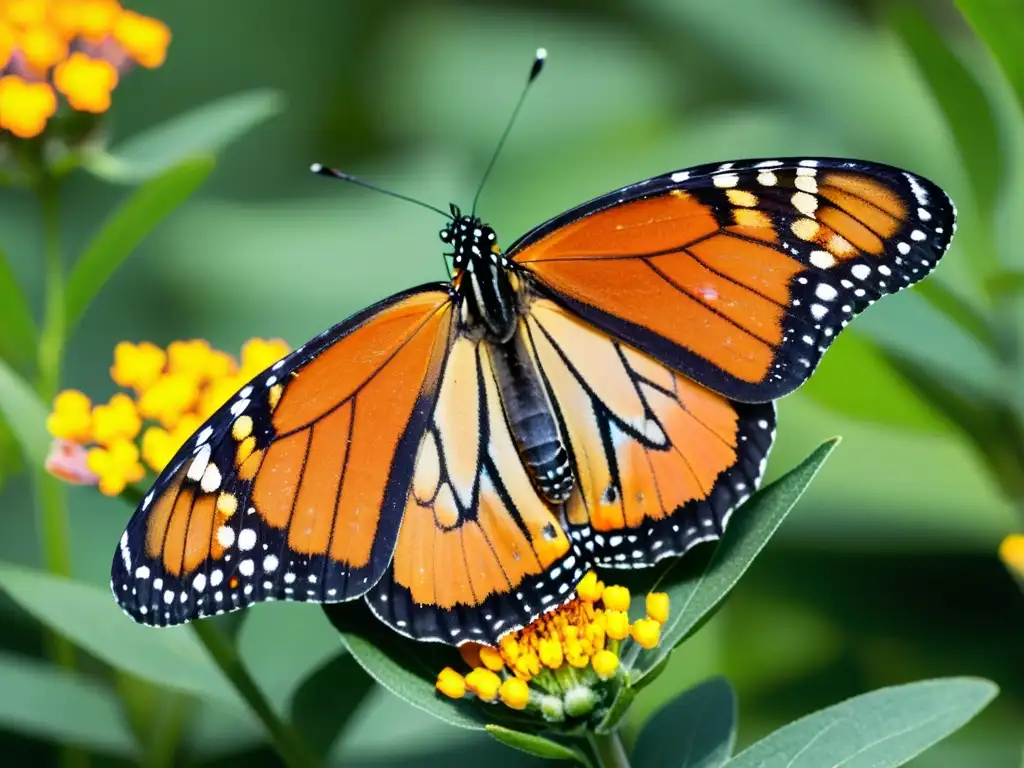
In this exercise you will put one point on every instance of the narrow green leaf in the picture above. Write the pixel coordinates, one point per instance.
(326, 701)
(885, 728)
(1007, 283)
(538, 746)
(620, 706)
(881, 395)
(17, 328)
(48, 703)
(25, 415)
(960, 312)
(406, 668)
(961, 99)
(205, 130)
(90, 618)
(694, 596)
(1000, 24)
(992, 425)
(695, 730)
(127, 227)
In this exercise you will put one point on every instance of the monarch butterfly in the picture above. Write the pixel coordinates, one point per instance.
(598, 394)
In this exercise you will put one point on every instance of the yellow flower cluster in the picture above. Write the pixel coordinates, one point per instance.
(173, 392)
(1011, 551)
(77, 47)
(566, 661)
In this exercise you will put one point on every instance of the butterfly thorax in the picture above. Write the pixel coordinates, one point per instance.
(490, 301)
(482, 275)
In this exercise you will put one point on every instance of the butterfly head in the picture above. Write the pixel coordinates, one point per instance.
(471, 240)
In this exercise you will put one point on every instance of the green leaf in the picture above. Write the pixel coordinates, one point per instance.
(960, 312)
(881, 395)
(202, 131)
(694, 596)
(538, 746)
(406, 668)
(127, 227)
(992, 425)
(620, 706)
(1006, 283)
(90, 618)
(1000, 24)
(48, 703)
(963, 102)
(695, 730)
(326, 701)
(25, 415)
(17, 328)
(881, 729)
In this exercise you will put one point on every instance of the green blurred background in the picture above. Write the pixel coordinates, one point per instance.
(887, 570)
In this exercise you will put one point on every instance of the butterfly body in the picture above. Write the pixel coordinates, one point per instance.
(599, 394)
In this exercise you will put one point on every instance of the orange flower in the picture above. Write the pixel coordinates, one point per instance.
(86, 82)
(25, 107)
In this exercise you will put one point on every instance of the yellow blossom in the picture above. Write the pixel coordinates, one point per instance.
(218, 393)
(451, 683)
(25, 13)
(199, 360)
(260, 354)
(616, 598)
(7, 44)
(72, 417)
(25, 107)
(1011, 551)
(169, 398)
(646, 633)
(483, 683)
(42, 47)
(117, 420)
(563, 665)
(117, 466)
(657, 607)
(96, 18)
(605, 664)
(144, 39)
(86, 82)
(137, 366)
(515, 694)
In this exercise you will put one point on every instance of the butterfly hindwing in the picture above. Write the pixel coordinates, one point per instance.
(740, 275)
(660, 462)
(295, 488)
(479, 553)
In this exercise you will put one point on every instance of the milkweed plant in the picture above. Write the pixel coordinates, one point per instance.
(561, 688)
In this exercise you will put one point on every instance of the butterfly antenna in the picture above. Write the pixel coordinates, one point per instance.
(535, 70)
(323, 170)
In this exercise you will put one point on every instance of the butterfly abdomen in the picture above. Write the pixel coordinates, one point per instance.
(532, 423)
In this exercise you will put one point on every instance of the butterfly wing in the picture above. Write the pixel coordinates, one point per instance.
(479, 553)
(741, 275)
(660, 461)
(295, 488)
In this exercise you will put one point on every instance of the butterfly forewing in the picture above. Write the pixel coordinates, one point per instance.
(296, 487)
(741, 275)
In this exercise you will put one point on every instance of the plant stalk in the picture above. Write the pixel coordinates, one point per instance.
(289, 745)
(608, 750)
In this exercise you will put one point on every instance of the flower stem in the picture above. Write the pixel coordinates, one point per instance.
(608, 750)
(289, 745)
(53, 521)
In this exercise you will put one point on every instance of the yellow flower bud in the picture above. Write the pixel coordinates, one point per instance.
(1011, 551)
(483, 683)
(117, 466)
(42, 47)
(451, 683)
(260, 354)
(144, 39)
(491, 658)
(72, 417)
(551, 653)
(137, 366)
(509, 649)
(86, 82)
(514, 693)
(117, 420)
(616, 625)
(657, 606)
(470, 653)
(590, 588)
(25, 107)
(646, 633)
(616, 598)
(605, 664)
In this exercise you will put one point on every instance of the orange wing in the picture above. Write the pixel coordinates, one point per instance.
(741, 275)
(660, 461)
(479, 552)
(295, 489)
